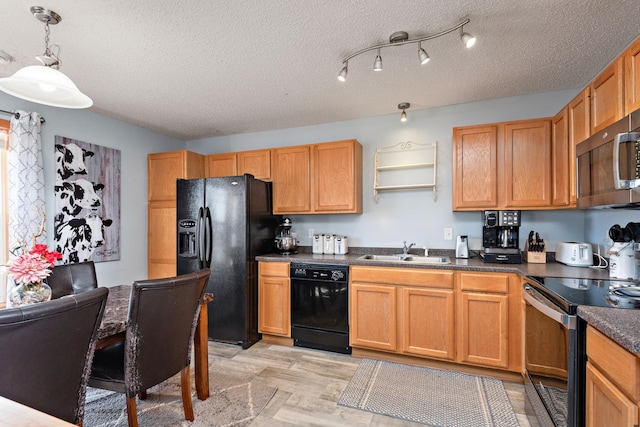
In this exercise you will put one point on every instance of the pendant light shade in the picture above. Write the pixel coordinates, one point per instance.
(45, 85)
(403, 106)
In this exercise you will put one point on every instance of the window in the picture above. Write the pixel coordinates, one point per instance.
(4, 250)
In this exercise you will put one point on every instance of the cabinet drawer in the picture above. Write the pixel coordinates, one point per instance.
(620, 365)
(280, 269)
(484, 282)
(403, 276)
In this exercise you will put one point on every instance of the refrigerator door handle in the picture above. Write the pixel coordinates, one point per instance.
(208, 226)
(200, 233)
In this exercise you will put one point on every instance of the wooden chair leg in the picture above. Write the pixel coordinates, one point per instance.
(132, 412)
(142, 395)
(185, 386)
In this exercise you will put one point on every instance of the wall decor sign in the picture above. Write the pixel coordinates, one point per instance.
(87, 201)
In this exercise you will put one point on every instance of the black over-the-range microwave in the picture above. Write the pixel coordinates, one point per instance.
(608, 166)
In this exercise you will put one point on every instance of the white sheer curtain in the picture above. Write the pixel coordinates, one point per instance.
(25, 186)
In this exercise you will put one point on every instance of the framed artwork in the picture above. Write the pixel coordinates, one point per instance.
(87, 201)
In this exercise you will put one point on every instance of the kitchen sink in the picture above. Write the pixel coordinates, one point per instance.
(409, 259)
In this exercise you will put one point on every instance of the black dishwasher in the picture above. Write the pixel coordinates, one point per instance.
(320, 306)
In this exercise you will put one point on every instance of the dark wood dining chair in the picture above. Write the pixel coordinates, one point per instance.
(160, 327)
(46, 351)
(70, 279)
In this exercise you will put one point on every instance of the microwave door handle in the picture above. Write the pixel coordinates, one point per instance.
(546, 307)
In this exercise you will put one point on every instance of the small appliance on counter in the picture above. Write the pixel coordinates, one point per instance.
(574, 254)
(341, 245)
(462, 247)
(318, 244)
(286, 242)
(622, 261)
(500, 237)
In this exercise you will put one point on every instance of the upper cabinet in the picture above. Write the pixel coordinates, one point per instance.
(164, 168)
(607, 96)
(475, 164)
(502, 166)
(579, 128)
(632, 77)
(318, 178)
(221, 165)
(255, 162)
(560, 160)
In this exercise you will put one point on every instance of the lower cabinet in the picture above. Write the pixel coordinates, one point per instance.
(274, 299)
(462, 317)
(483, 319)
(612, 385)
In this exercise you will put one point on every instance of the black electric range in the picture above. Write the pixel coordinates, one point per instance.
(569, 293)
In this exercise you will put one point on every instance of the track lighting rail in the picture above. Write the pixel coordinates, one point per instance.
(407, 41)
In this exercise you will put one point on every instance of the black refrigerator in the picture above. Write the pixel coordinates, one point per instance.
(223, 224)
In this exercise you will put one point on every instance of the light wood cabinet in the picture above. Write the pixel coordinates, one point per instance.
(319, 178)
(560, 159)
(579, 129)
(612, 384)
(632, 77)
(502, 166)
(217, 165)
(427, 322)
(373, 316)
(527, 164)
(291, 179)
(337, 177)
(607, 96)
(475, 177)
(403, 310)
(469, 318)
(163, 169)
(483, 319)
(274, 299)
(256, 163)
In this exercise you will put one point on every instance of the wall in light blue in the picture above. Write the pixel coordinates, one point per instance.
(405, 215)
(134, 143)
(414, 216)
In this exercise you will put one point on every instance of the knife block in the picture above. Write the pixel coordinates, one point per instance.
(535, 257)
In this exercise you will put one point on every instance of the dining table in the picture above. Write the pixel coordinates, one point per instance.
(114, 326)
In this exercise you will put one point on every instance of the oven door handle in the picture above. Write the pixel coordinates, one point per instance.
(548, 308)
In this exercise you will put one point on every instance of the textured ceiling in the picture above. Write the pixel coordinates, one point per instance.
(195, 69)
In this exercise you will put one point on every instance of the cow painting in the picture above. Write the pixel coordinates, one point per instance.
(73, 196)
(70, 160)
(87, 201)
(78, 238)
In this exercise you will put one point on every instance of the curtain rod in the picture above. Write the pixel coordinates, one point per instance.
(17, 115)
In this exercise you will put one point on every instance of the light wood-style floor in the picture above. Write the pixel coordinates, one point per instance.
(310, 383)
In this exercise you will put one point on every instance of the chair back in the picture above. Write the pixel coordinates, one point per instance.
(68, 279)
(46, 351)
(162, 320)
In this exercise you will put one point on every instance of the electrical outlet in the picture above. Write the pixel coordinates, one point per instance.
(311, 233)
(448, 233)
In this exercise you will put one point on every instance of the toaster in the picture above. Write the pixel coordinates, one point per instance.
(575, 254)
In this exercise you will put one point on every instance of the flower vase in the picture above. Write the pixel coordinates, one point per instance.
(28, 293)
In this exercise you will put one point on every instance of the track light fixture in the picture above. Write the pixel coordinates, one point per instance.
(403, 106)
(400, 38)
(44, 83)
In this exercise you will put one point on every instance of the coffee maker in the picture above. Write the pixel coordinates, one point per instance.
(500, 237)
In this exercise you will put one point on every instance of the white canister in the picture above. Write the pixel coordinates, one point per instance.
(341, 246)
(318, 243)
(622, 262)
(329, 244)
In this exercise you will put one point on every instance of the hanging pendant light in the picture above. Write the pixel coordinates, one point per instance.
(45, 84)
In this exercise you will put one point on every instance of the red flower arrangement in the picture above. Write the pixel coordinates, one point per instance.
(33, 266)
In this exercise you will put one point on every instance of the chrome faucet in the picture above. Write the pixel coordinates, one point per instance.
(405, 248)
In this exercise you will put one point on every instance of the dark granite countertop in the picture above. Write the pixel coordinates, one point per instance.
(622, 326)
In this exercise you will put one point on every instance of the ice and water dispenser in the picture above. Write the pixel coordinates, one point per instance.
(187, 235)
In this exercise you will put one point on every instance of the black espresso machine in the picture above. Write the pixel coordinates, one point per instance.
(500, 237)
